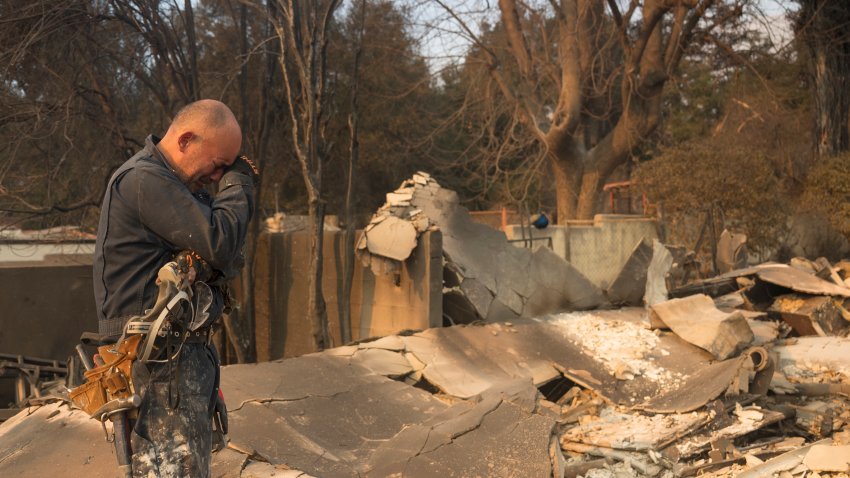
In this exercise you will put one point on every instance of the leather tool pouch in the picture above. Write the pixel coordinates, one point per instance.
(110, 381)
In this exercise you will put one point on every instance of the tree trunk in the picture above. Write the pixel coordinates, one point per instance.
(192, 44)
(613, 65)
(353, 157)
(566, 188)
(316, 309)
(823, 27)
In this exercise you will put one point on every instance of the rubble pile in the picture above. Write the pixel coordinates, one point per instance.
(715, 384)
(746, 374)
(786, 409)
(485, 277)
(594, 394)
(393, 230)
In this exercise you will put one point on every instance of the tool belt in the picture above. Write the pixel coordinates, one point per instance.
(108, 382)
(189, 337)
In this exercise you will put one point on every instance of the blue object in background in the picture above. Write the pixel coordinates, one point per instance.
(540, 221)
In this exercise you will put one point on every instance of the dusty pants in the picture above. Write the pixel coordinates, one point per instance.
(172, 437)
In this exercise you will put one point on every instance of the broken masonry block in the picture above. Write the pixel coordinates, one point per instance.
(811, 315)
(393, 238)
(656, 274)
(815, 419)
(695, 319)
(630, 285)
(828, 458)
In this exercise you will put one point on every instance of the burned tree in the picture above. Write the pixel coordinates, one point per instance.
(302, 32)
(578, 83)
(822, 25)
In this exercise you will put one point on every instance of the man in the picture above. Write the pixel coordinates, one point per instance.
(154, 207)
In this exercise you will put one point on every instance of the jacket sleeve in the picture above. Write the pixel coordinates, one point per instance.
(167, 209)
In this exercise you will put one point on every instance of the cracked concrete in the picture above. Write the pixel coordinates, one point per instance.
(341, 411)
(338, 414)
(500, 431)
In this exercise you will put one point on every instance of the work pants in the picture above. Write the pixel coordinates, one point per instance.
(172, 437)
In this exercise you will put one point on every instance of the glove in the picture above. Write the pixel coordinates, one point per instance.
(245, 166)
(195, 267)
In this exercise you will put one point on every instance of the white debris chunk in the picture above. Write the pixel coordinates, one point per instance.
(396, 199)
(828, 458)
(622, 347)
(393, 238)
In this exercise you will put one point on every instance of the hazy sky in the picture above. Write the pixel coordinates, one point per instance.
(444, 40)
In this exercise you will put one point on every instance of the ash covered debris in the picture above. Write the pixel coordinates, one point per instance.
(594, 393)
(745, 374)
(485, 276)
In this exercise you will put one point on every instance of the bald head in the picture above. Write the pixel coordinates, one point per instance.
(211, 113)
(202, 140)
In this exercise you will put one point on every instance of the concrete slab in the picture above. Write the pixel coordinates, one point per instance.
(791, 278)
(526, 284)
(327, 415)
(696, 320)
(383, 362)
(499, 312)
(54, 440)
(390, 342)
(699, 388)
(228, 463)
(656, 274)
(800, 281)
(558, 286)
(611, 352)
(814, 359)
(630, 285)
(260, 469)
(319, 414)
(829, 458)
(393, 238)
(501, 435)
(460, 360)
(478, 295)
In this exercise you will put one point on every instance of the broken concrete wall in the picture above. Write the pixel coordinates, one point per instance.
(380, 305)
(554, 237)
(598, 249)
(415, 302)
(499, 281)
(46, 306)
(485, 277)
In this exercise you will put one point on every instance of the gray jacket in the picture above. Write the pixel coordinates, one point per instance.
(147, 216)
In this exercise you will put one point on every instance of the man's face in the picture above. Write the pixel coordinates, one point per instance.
(206, 156)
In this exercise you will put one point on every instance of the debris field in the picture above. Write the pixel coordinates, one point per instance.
(746, 374)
